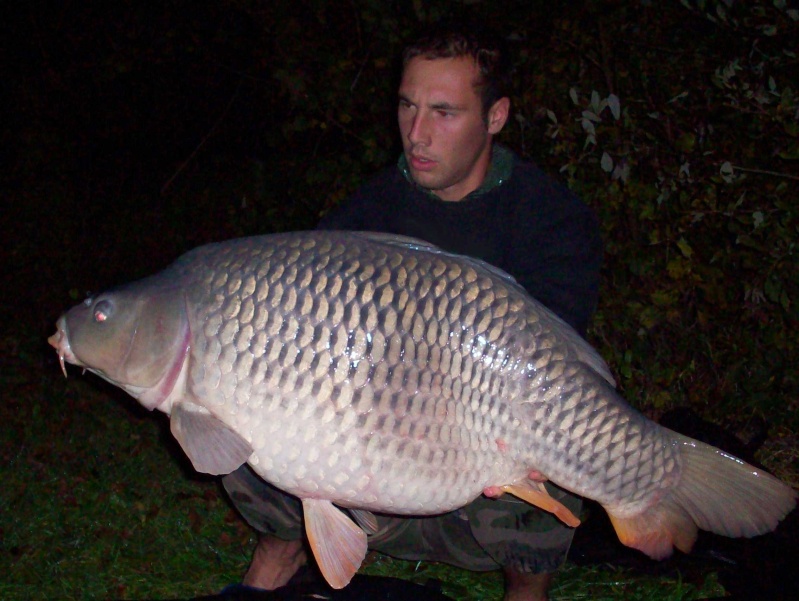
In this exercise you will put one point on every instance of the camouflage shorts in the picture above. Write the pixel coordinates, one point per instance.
(485, 535)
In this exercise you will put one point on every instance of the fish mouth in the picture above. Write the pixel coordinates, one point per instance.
(60, 342)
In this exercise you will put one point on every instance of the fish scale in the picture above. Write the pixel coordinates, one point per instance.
(381, 373)
(292, 298)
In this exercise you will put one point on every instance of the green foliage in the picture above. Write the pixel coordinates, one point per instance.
(680, 127)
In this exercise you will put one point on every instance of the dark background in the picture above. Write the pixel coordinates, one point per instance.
(134, 131)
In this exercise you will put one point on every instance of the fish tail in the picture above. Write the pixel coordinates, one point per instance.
(715, 492)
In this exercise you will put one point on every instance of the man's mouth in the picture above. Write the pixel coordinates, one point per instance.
(420, 163)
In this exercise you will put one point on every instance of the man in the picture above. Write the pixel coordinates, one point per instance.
(457, 189)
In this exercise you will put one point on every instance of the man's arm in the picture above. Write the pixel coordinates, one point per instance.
(560, 265)
(569, 273)
(554, 246)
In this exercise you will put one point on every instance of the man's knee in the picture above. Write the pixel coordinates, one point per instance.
(522, 537)
(264, 507)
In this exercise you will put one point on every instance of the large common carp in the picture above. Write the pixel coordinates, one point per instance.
(380, 373)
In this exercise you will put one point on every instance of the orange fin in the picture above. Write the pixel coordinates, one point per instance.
(657, 531)
(338, 545)
(713, 491)
(536, 494)
(211, 445)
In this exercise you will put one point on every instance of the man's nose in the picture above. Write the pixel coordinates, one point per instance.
(419, 134)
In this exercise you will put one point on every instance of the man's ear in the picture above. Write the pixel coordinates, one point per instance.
(498, 115)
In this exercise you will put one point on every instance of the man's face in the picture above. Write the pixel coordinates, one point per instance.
(446, 139)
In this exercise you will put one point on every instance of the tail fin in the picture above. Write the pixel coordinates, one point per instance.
(715, 492)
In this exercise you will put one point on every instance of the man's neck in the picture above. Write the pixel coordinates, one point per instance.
(498, 172)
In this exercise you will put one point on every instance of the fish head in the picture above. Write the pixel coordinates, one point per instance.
(136, 337)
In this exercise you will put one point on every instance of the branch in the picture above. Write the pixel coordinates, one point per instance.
(204, 140)
(766, 172)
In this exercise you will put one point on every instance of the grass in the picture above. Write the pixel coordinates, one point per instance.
(98, 502)
(598, 583)
(97, 507)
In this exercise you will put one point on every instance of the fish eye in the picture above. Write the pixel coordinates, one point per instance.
(103, 310)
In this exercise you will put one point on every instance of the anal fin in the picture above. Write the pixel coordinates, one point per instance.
(338, 544)
(536, 494)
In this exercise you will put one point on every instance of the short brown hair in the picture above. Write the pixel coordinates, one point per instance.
(459, 39)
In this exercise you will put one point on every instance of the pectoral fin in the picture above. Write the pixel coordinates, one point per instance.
(338, 545)
(536, 494)
(211, 445)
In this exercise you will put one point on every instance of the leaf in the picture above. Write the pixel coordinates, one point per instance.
(791, 153)
(606, 162)
(749, 242)
(727, 173)
(686, 142)
(679, 96)
(664, 298)
(661, 399)
(678, 268)
(592, 116)
(621, 171)
(615, 106)
(649, 317)
(775, 292)
(595, 101)
(685, 248)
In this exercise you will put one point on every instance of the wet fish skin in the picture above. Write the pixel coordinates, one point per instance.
(306, 350)
(381, 373)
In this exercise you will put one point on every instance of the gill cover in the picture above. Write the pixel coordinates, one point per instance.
(134, 336)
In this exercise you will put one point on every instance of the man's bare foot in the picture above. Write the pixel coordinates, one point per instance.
(274, 562)
(523, 586)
